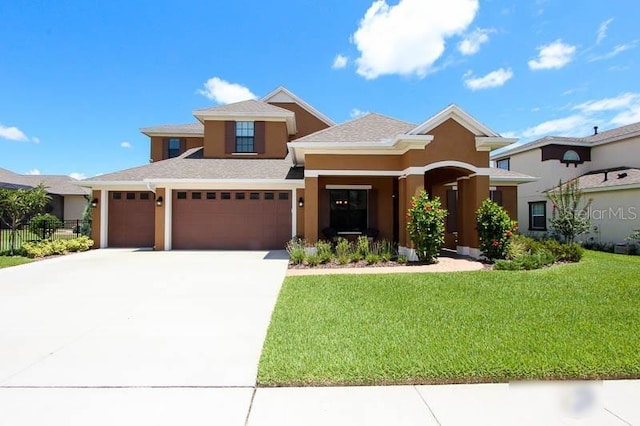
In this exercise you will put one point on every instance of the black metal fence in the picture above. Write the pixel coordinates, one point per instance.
(38, 230)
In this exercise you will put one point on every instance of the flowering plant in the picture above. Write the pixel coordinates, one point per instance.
(425, 223)
(495, 229)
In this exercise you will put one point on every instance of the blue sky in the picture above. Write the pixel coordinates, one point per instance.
(78, 79)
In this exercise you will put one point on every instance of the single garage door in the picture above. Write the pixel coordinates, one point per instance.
(131, 219)
(234, 220)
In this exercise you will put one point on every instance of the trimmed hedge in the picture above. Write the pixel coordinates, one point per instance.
(50, 248)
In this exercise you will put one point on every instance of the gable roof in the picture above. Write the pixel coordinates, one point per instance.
(456, 113)
(189, 129)
(55, 184)
(618, 178)
(612, 135)
(251, 110)
(371, 127)
(284, 95)
(191, 165)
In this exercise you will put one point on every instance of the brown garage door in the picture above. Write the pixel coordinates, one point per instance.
(131, 219)
(234, 220)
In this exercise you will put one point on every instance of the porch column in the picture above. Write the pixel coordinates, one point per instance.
(311, 209)
(96, 219)
(413, 185)
(160, 220)
(471, 192)
(402, 211)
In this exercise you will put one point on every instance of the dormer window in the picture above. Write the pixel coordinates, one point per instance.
(245, 136)
(173, 148)
(570, 156)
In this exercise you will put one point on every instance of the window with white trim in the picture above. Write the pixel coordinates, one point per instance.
(538, 216)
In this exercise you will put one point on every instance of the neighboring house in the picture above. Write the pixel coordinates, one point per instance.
(607, 166)
(253, 174)
(68, 200)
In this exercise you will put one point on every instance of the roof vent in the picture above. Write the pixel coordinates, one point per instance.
(622, 175)
(595, 130)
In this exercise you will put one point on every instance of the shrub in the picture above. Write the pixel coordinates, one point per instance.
(372, 258)
(386, 250)
(312, 259)
(495, 229)
(343, 251)
(402, 259)
(606, 247)
(426, 226)
(45, 225)
(563, 252)
(362, 246)
(355, 256)
(295, 248)
(526, 262)
(48, 248)
(323, 250)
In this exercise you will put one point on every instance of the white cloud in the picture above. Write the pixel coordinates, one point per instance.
(470, 45)
(77, 175)
(356, 112)
(553, 55)
(340, 62)
(614, 52)
(126, 145)
(34, 172)
(630, 115)
(602, 30)
(223, 92)
(409, 37)
(493, 79)
(12, 133)
(568, 126)
(622, 101)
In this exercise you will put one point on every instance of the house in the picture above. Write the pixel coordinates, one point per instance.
(68, 200)
(607, 167)
(253, 174)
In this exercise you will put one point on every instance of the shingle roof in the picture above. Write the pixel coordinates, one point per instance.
(246, 107)
(615, 177)
(191, 165)
(502, 173)
(190, 128)
(371, 127)
(56, 184)
(619, 131)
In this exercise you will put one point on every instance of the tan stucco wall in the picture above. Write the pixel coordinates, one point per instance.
(159, 220)
(157, 146)
(300, 212)
(451, 141)
(352, 162)
(306, 123)
(95, 219)
(510, 200)
(74, 207)
(276, 138)
(615, 214)
(616, 154)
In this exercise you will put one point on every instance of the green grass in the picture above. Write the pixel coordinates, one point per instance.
(6, 261)
(572, 321)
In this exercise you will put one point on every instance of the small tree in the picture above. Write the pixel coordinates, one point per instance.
(17, 205)
(426, 226)
(495, 229)
(45, 225)
(569, 219)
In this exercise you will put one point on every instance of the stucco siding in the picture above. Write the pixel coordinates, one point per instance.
(74, 207)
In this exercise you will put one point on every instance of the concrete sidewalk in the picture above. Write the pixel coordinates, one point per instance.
(546, 403)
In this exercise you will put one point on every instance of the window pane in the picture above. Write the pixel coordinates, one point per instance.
(174, 147)
(254, 196)
(182, 195)
(538, 222)
(244, 136)
(348, 210)
(268, 195)
(196, 195)
(211, 195)
(225, 195)
(144, 195)
(117, 195)
(503, 164)
(131, 195)
(537, 209)
(283, 196)
(239, 195)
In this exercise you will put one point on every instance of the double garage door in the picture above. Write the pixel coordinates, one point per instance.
(206, 220)
(236, 220)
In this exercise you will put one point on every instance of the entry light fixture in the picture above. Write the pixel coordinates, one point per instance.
(159, 201)
(300, 202)
(94, 203)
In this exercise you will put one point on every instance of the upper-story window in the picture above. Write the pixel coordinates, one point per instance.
(571, 156)
(174, 148)
(503, 164)
(245, 136)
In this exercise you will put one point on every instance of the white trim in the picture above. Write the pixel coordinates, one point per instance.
(469, 251)
(151, 133)
(475, 253)
(481, 171)
(318, 173)
(484, 143)
(218, 184)
(283, 90)
(294, 212)
(504, 180)
(104, 218)
(348, 187)
(285, 116)
(244, 154)
(130, 184)
(409, 253)
(168, 218)
(458, 114)
(612, 188)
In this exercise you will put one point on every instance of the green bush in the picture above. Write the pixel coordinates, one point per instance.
(425, 223)
(402, 259)
(526, 262)
(495, 229)
(323, 251)
(312, 259)
(296, 251)
(564, 252)
(385, 249)
(343, 248)
(48, 248)
(45, 225)
(372, 258)
(362, 246)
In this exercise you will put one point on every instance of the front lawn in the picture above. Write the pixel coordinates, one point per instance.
(570, 321)
(6, 261)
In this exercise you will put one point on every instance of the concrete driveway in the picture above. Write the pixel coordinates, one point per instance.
(127, 334)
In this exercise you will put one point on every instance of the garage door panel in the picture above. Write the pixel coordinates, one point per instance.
(131, 219)
(240, 224)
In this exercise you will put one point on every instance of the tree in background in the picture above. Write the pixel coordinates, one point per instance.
(570, 216)
(18, 205)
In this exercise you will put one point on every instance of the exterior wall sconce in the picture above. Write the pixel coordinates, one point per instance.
(94, 203)
(159, 201)
(300, 202)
